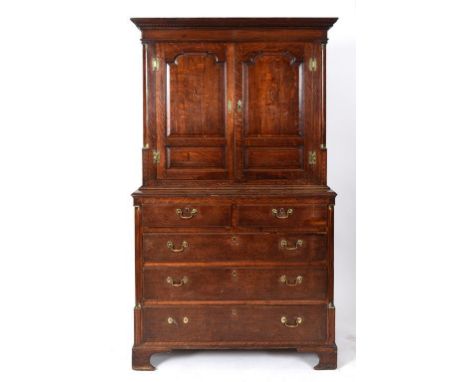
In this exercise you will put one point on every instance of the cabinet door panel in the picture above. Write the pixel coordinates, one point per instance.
(273, 125)
(195, 95)
(264, 157)
(271, 82)
(194, 135)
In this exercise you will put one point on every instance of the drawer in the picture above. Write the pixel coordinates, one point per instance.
(281, 323)
(182, 215)
(286, 216)
(234, 283)
(287, 247)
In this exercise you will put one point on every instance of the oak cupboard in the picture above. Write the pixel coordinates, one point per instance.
(234, 219)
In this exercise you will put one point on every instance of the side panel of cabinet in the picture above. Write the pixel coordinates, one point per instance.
(193, 126)
(276, 120)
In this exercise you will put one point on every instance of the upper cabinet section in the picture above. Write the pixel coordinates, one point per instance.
(234, 100)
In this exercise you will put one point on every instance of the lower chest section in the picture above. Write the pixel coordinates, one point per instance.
(233, 269)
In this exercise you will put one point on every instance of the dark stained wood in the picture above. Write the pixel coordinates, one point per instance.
(264, 193)
(286, 215)
(234, 223)
(234, 283)
(272, 139)
(193, 215)
(196, 157)
(235, 323)
(235, 35)
(239, 247)
(271, 89)
(146, 23)
(256, 158)
(196, 92)
(327, 356)
(195, 84)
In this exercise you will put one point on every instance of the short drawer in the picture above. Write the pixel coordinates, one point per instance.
(234, 283)
(185, 215)
(186, 247)
(278, 323)
(286, 216)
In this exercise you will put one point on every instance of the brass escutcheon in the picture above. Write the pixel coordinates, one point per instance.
(239, 106)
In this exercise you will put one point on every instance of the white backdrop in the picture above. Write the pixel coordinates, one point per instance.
(71, 135)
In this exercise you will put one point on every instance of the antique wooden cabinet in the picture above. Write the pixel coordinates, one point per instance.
(234, 220)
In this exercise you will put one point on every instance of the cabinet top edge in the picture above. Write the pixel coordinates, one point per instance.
(323, 23)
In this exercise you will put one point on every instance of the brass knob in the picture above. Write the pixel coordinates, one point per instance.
(281, 213)
(183, 245)
(284, 245)
(185, 320)
(186, 213)
(284, 279)
(174, 283)
(297, 322)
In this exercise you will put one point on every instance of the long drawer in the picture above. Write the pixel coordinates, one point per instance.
(288, 247)
(281, 323)
(225, 283)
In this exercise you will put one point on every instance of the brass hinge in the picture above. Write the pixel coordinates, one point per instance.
(156, 156)
(155, 64)
(312, 158)
(313, 64)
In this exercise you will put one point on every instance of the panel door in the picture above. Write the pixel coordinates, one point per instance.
(274, 116)
(192, 126)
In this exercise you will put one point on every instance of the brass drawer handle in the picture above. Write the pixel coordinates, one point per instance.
(174, 283)
(297, 322)
(186, 213)
(170, 245)
(172, 321)
(284, 279)
(282, 213)
(284, 245)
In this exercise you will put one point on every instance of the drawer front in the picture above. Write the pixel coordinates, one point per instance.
(281, 323)
(286, 216)
(181, 215)
(288, 247)
(216, 283)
